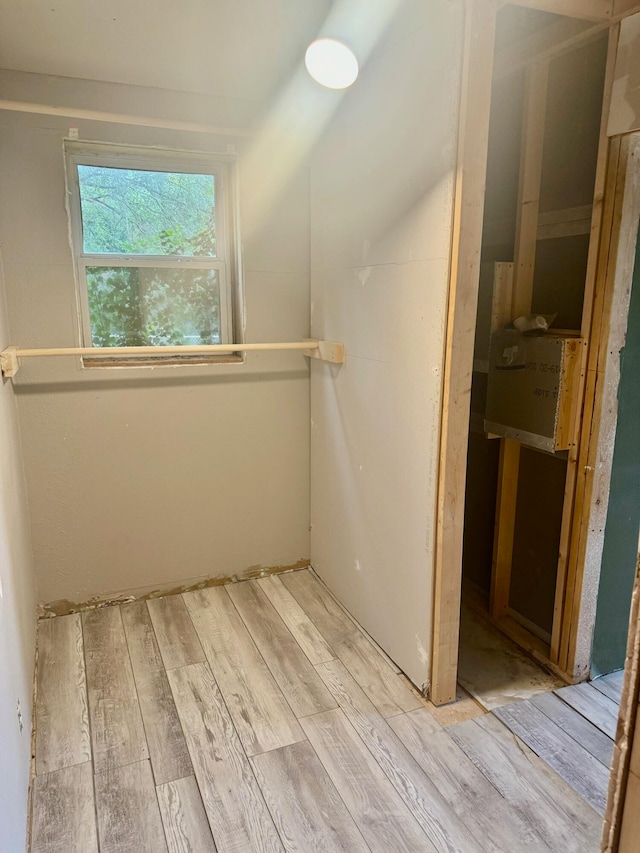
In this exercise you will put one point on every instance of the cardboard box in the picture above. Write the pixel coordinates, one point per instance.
(531, 389)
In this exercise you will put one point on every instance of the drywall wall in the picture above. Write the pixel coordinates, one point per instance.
(624, 112)
(620, 551)
(382, 183)
(17, 619)
(144, 479)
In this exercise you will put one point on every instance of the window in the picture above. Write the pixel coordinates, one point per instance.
(153, 244)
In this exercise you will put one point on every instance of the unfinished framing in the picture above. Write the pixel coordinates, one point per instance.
(622, 817)
(610, 227)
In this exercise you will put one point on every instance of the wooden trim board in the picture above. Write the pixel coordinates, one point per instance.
(473, 137)
(593, 469)
(604, 193)
(623, 803)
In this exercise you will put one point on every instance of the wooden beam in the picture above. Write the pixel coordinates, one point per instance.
(508, 466)
(593, 470)
(458, 362)
(601, 223)
(565, 223)
(504, 527)
(502, 296)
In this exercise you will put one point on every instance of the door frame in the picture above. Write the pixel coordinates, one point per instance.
(577, 587)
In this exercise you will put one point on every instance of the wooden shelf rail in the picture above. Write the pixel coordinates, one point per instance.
(323, 350)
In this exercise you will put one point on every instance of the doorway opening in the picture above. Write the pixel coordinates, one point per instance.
(546, 166)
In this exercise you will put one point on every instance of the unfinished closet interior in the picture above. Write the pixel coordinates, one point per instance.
(537, 268)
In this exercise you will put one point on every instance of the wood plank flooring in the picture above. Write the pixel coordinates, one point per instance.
(259, 717)
(573, 731)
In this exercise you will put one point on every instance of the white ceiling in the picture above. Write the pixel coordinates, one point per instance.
(230, 48)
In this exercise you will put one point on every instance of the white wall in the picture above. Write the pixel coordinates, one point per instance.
(17, 620)
(381, 209)
(139, 479)
(624, 112)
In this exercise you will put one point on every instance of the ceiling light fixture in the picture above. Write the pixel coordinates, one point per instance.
(331, 63)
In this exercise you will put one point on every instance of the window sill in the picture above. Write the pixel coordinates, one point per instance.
(97, 362)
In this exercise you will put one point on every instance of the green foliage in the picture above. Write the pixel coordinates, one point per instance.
(148, 306)
(127, 211)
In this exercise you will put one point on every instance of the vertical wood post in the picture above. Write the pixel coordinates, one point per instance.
(475, 104)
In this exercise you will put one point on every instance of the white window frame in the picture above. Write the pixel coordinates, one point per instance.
(226, 261)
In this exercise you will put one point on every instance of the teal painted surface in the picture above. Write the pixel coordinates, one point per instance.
(623, 516)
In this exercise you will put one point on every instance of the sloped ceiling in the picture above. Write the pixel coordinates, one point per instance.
(228, 48)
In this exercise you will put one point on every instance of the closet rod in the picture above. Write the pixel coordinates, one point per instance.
(323, 350)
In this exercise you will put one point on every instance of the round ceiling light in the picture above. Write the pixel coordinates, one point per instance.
(331, 63)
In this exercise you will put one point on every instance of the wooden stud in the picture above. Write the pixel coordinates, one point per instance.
(458, 361)
(533, 121)
(533, 124)
(608, 329)
(502, 296)
(504, 527)
(601, 223)
(622, 800)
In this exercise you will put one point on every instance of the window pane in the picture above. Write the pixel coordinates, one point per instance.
(129, 211)
(147, 306)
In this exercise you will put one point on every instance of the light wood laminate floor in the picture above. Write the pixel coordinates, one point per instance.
(259, 717)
